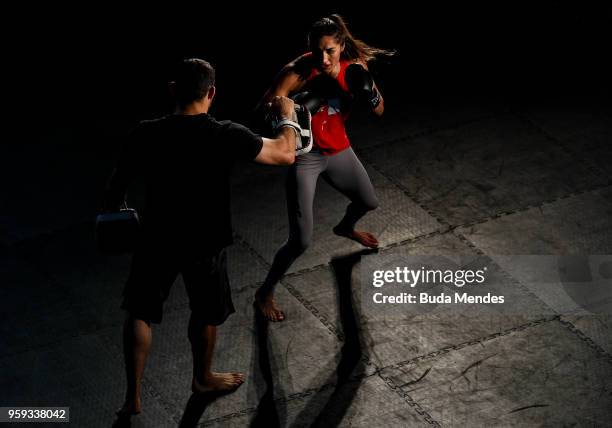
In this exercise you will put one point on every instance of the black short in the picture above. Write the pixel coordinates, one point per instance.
(153, 273)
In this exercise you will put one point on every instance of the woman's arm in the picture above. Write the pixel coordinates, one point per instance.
(290, 80)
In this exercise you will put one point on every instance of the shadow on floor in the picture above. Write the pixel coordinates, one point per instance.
(267, 414)
(327, 408)
(195, 408)
(328, 405)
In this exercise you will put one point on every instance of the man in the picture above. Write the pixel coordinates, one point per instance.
(185, 159)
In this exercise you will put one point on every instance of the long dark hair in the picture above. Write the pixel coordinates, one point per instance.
(335, 26)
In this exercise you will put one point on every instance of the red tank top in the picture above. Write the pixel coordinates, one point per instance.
(328, 130)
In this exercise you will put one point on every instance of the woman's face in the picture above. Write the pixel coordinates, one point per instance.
(327, 54)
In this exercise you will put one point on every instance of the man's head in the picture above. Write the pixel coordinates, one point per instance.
(194, 81)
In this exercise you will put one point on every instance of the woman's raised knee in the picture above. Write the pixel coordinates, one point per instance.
(371, 204)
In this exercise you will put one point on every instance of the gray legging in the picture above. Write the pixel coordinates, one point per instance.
(344, 172)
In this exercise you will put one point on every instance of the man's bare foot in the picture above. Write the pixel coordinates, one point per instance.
(217, 382)
(364, 238)
(129, 408)
(267, 307)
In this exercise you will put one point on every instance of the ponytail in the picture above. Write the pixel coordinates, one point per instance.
(354, 49)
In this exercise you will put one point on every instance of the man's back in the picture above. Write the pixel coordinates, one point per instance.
(186, 162)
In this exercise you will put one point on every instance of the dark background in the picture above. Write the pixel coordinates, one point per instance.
(76, 78)
(114, 61)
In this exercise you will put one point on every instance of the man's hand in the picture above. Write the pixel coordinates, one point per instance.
(282, 107)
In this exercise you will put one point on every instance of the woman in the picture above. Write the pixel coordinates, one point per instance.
(328, 80)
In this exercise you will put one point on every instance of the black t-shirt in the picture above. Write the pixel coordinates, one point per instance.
(186, 163)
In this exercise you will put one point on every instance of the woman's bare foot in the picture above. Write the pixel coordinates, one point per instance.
(129, 408)
(217, 382)
(364, 238)
(267, 307)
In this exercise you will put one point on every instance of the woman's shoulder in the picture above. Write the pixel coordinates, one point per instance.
(303, 65)
(304, 60)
